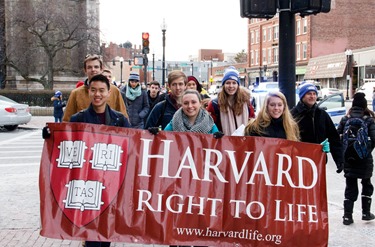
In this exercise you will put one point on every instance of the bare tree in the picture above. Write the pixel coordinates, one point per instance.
(48, 38)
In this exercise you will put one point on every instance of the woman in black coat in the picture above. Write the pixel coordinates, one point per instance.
(356, 168)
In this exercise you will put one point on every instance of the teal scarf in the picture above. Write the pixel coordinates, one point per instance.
(132, 93)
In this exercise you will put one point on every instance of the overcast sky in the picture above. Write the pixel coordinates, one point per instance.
(191, 25)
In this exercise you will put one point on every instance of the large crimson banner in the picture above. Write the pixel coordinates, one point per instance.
(105, 183)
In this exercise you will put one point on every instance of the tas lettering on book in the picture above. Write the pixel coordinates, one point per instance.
(355, 137)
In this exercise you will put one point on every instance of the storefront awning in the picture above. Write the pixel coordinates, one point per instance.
(331, 66)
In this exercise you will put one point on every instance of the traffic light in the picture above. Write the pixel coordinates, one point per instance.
(145, 43)
(258, 8)
(309, 7)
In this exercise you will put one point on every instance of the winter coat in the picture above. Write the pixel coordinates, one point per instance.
(274, 130)
(163, 110)
(79, 100)
(58, 106)
(315, 126)
(112, 117)
(360, 168)
(137, 109)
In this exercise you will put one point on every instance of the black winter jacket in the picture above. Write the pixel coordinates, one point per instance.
(359, 168)
(315, 126)
(138, 108)
(275, 129)
(162, 111)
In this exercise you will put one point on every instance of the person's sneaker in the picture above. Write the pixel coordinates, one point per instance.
(347, 220)
(368, 216)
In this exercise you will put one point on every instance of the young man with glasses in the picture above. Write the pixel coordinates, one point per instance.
(79, 97)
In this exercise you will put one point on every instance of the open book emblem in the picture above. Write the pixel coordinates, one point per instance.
(87, 174)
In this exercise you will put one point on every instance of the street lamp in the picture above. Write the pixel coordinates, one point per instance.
(348, 53)
(121, 62)
(192, 69)
(163, 27)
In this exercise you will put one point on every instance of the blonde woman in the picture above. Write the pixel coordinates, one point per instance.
(274, 120)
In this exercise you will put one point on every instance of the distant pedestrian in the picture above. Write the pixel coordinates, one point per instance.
(193, 83)
(154, 95)
(136, 102)
(373, 99)
(58, 105)
(356, 168)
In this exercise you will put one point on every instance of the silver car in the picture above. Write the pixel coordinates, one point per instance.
(13, 114)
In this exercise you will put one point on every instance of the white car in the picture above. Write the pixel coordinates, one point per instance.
(329, 91)
(13, 114)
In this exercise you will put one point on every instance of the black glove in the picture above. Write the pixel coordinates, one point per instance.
(218, 134)
(340, 167)
(153, 130)
(46, 133)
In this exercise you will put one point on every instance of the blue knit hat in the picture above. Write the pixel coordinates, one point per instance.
(58, 94)
(231, 74)
(305, 88)
(134, 76)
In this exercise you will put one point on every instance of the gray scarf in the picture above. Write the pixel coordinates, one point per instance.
(203, 123)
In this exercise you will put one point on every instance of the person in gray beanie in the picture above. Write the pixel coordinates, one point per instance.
(136, 102)
(315, 124)
(356, 168)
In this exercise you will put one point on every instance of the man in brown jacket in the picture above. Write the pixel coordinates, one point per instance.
(79, 97)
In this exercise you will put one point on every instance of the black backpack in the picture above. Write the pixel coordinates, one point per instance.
(355, 138)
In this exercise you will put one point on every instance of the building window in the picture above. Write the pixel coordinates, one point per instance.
(276, 55)
(252, 37)
(298, 51)
(275, 32)
(269, 56)
(252, 57)
(264, 56)
(264, 32)
(256, 57)
(269, 33)
(298, 27)
(304, 50)
(256, 36)
(304, 25)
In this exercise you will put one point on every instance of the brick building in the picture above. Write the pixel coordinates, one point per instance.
(327, 35)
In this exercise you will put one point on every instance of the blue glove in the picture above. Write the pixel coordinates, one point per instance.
(325, 145)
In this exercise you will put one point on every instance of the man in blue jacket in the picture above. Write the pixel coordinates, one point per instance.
(163, 111)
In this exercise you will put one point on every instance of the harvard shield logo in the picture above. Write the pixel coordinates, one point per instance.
(87, 171)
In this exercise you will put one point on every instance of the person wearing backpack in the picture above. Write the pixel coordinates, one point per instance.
(357, 155)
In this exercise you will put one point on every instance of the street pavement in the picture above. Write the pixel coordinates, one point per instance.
(19, 205)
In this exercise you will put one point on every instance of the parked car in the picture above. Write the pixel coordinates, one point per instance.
(329, 91)
(367, 89)
(334, 105)
(13, 114)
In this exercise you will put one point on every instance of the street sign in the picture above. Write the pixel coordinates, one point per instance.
(137, 67)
